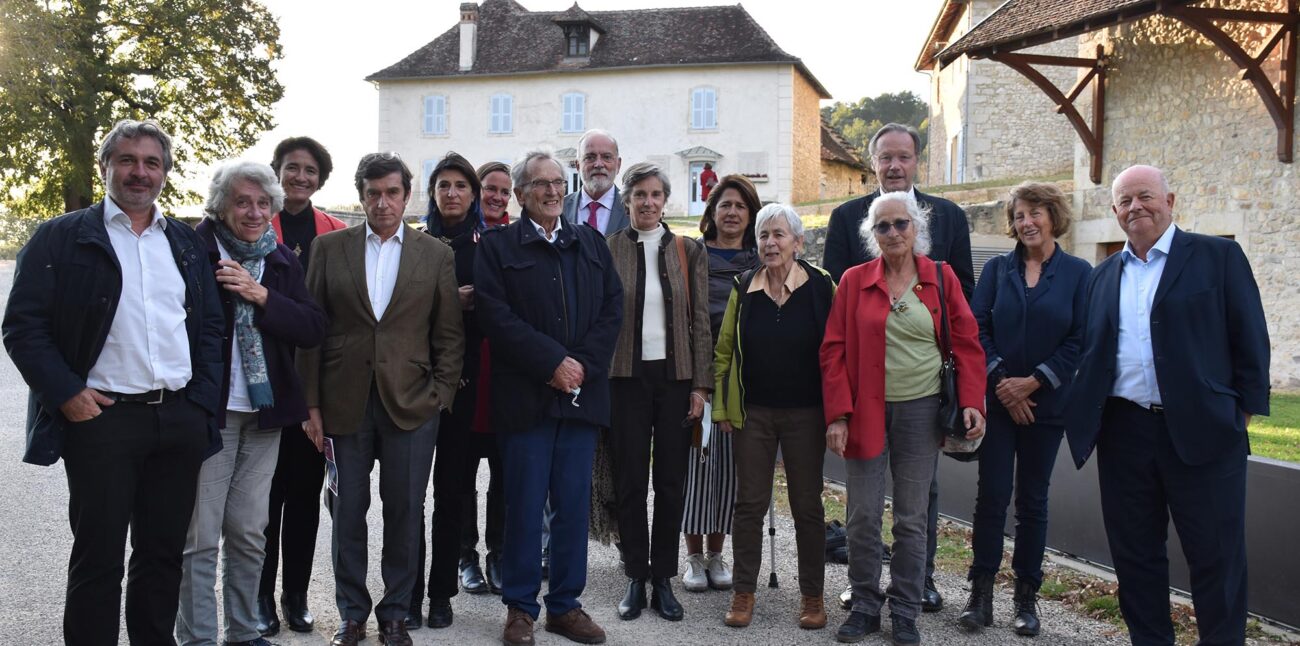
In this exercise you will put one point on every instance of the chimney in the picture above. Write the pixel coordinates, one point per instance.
(468, 34)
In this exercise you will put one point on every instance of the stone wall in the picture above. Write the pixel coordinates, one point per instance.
(840, 180)
(1174, 101)
(807, 145)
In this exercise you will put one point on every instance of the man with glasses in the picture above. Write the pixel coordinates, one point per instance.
(597, 205)
(893, 151)
(390, 363)
(551, 308)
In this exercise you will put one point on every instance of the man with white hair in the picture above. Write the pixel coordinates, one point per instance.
(598, 204)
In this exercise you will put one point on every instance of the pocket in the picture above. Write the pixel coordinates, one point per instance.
(334, 342)
(518, 265)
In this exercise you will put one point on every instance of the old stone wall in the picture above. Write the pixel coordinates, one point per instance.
(1175, 101)
(807, 145)
(842, 180)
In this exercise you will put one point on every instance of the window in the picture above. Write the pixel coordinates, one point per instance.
(426, 169)
(435, 115)
(575, 112)
(501, 111)
(704, 108)
(576, 40)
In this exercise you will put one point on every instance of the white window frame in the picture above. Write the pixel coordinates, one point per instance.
(426, 167)
(434, 118)
(704, 108)
(573, 112)
(501, 114)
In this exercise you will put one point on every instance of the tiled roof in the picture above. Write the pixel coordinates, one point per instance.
(576, 14)
(940, 31)
(835, 148)
(1018, 24)
(513, 40)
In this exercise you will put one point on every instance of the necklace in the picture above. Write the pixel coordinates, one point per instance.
(896, 302)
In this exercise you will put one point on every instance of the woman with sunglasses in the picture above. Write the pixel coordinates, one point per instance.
(880, 376)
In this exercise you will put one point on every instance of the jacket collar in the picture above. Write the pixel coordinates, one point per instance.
(875, 273)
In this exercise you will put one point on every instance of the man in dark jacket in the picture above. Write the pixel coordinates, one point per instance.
(551, 305)
(893, 151)
(115, 324)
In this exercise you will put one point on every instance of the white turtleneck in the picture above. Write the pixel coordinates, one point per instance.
(654, 326)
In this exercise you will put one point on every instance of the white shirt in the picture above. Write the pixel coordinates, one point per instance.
(555, 234)
(238, 400)
(147, 347)
(606, 203)
(1135, 368)
(654, 326)
(382, 260)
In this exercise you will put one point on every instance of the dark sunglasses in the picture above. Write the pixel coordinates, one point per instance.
(882, 228)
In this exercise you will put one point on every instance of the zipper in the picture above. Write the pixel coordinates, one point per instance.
(564, 305)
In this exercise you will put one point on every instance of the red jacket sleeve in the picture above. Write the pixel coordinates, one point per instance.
(837, 392)
(966, 349)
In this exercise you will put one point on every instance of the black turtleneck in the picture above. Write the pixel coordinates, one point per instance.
(299, 230)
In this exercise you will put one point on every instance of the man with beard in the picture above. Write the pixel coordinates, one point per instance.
(115, 324)
(598, 204)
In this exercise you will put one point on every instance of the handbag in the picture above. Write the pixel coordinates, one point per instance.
(949, 418)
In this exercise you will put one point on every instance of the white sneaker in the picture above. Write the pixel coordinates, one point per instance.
(696, 578)
(719, 572)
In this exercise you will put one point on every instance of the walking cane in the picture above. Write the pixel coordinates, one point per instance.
(771, 536)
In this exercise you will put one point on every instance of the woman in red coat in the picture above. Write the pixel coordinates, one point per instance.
(880, 362)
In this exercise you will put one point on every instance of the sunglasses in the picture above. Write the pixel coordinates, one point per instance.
(882, 228)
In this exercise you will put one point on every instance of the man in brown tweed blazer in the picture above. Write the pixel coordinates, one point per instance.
(390, 362)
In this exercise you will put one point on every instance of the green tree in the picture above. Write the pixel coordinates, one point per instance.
(857, 121)
(69, 69)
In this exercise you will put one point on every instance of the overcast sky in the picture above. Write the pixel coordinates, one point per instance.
(855, 48)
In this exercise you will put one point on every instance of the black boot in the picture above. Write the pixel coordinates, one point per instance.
(296, 613)
(663, 600)
(634, 601)
(1026, 622)
(978, 612)
(267, 623)
(471, 576)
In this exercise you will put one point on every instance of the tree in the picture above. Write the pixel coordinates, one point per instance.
(858, 121)
(70, 69)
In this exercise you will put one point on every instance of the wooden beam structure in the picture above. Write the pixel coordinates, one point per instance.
(1091, 135)
(1279, 100)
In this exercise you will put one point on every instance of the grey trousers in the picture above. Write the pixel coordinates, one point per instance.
(233, 495)
(405, 459)
(911, 446)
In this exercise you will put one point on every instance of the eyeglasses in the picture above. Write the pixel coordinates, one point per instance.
(882, 228)
(541, 184)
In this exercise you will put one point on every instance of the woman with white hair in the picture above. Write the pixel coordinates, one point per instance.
(267, 313)
(768, 393)
(880, 374)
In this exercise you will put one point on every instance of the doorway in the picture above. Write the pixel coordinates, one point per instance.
(696, 205)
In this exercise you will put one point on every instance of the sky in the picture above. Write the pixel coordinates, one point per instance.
(855, 48)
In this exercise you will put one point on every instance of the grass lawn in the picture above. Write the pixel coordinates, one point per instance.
(1278, 435)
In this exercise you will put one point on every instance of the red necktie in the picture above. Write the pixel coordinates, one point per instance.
(591, 219)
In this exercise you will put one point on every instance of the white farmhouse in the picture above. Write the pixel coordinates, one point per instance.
(679, 87)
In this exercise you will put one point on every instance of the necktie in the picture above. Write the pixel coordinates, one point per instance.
(591, 217)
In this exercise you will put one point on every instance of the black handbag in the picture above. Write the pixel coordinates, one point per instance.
(955, 444)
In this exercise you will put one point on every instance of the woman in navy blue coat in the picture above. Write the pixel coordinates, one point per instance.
(1029, 306)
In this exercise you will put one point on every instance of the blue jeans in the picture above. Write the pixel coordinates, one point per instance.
(1024, 455)
(553, 458)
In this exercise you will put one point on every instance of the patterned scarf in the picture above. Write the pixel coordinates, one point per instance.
(248, 254)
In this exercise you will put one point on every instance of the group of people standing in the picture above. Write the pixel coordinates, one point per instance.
(200, 384)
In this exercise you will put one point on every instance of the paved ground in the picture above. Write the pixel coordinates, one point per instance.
(35, 539)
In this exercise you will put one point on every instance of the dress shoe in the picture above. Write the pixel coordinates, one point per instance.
(742, 610)
(812, 612)
(493, 562)
(440, 614)
(296, 614)
(546, 563)
(393, 633)
(931, 600)
(903, 631)
(856, 627)
(575, 625)
(634, 600)
(663, 600)
(260, 641)
(413, 620)
(349, 633)
(519, 628)
(267, 623)
(471, 577)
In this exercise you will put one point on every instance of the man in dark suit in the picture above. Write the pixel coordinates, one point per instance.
(115, 324)
(597, 204)
(390, 363)
(1175, 363)
(893, 150)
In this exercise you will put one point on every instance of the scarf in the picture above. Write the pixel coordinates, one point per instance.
(247, 254)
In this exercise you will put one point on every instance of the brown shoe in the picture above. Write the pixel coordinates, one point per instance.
(812, 612)
(519, 628)
(393, 633)
(349, 633)
(576, 625)
(742, 610)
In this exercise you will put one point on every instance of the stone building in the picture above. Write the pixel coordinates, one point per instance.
(844, 174)
(679, 87)
(1175, 97)
(980, 111)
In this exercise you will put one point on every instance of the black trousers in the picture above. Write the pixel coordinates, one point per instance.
(136, 466)
(484, 446)
(1143, 485)
(294, 514)
(646, 429)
